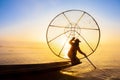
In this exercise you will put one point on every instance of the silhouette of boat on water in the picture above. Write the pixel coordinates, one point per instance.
(33, 68)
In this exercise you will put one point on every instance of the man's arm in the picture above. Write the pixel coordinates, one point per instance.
(71, 40)
(79, 50)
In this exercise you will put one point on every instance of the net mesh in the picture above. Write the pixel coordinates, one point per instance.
(70, 24)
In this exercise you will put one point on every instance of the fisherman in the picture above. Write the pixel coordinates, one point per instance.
(73, 51)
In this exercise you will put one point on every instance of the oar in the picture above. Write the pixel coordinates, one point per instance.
(90, 62)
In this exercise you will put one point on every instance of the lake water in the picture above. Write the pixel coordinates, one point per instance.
(107, 62)
(10, 55)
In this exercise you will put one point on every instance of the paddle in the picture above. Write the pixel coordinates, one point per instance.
(90, 62)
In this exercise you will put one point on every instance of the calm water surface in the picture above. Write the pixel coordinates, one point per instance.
(107, 62)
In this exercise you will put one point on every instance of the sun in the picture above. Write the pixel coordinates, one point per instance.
(65, 47)
(66, 50)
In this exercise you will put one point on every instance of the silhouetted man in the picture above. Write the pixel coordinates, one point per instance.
(73, 51)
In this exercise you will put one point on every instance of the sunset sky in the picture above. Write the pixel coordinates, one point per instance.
(23, 25)
(27, 20)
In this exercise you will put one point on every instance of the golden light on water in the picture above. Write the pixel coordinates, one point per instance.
(65, 51)
(64, 45)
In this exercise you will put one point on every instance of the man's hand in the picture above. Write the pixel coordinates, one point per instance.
(73, 38)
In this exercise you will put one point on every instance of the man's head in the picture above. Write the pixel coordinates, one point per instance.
(77, 41)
